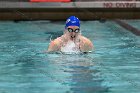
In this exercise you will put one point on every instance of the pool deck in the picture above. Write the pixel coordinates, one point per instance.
(60, 11)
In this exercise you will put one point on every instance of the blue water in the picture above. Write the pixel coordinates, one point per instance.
(113, 67)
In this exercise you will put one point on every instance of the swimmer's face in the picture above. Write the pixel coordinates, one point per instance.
(73, 31)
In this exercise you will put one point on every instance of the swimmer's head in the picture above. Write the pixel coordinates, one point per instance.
(72, 21)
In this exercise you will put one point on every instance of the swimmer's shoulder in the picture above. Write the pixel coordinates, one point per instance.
(85, 39)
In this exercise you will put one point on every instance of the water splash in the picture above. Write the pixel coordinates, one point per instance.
(70, 48)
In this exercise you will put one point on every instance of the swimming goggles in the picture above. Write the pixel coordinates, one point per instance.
(71, 30)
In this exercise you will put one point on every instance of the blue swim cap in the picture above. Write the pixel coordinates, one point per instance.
(72, 21)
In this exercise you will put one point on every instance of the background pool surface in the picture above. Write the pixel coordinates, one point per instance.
(134, 23)
(113, 66)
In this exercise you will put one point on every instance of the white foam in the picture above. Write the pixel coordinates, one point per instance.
(70, 48)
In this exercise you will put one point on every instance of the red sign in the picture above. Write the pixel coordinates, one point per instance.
(50, 0)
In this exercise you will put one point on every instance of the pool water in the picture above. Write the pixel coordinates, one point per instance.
(134, 23)
(113, 66)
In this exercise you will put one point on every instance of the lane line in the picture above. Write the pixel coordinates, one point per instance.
(128, 27)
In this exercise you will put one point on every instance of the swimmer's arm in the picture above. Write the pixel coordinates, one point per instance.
(86, 45)
(55, 45)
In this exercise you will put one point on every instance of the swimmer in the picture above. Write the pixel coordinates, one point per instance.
(71, 40)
